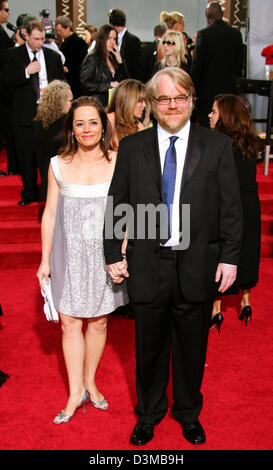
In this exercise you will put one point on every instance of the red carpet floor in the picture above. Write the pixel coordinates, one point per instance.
(238, 381)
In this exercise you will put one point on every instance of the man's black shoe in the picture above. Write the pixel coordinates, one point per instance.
(25, 203)
(194, 433)
(142, 433)
(2, 173)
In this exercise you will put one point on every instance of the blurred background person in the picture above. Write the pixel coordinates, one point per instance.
(74, 49)
(90, 33)
(230, 116)
(127, 111)
(173, 52)
(5, 100)
(174, 21)
(104, 68)
(217, 61)
(149, 52)
(52, 109)
(129, 45)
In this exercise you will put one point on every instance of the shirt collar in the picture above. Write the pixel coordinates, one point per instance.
(183, 133)
(31, 52)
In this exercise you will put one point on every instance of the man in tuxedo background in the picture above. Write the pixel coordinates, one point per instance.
(129, 45)
(74, 48)
(28, 69)
(172, 283)
(5, 44)
(217, 60)
(149, 52)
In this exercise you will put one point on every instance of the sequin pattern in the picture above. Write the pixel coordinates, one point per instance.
(87, 289)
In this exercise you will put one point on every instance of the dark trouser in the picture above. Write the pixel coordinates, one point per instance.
(170, 323)
(25, 149)
(6, 136)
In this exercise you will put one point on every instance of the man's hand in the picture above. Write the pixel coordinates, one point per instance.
(228, 273)
(118, 271)
(33, 67)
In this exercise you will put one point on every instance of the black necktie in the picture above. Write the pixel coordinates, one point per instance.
(35, 79)
(168, 179)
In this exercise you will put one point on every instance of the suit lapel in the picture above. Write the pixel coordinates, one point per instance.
(151, 153)
(193, 155)
(123, 44)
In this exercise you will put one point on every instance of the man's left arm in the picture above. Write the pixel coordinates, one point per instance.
(231, 219)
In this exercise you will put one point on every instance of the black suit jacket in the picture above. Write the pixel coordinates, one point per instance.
(131, 53)
(5, 44)
(209, 185)
(74, 49)
(24, 98)
(218, 59)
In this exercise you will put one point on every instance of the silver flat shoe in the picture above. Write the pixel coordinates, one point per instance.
(100, 404)
(62, 418)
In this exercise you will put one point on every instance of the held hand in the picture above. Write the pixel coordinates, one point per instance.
(65, 69)
(33, 67)
(113, 84)
(43, 273)
(228, 273)
(118, 271)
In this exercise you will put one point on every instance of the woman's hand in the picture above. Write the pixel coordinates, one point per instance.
(43, 273)
(117, 55)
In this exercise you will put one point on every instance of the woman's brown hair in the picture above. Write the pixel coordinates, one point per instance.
(70, 145)
(235, 121)
(123, 101)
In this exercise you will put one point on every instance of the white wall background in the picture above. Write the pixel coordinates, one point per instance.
(142, 15)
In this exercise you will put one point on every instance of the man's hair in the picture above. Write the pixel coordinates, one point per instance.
(35, 24)
(64, 21)
(159, 30)
(117, 17)
(179, 76)
(213, 12)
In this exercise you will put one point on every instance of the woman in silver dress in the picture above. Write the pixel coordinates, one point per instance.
(72, 249)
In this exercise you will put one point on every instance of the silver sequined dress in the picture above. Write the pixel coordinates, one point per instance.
(81, 286)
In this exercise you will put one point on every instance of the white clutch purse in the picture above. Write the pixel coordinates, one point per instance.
(49, 309)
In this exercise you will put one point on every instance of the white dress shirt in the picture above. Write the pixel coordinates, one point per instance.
(120, 37)
(181, 148)
(43, 73)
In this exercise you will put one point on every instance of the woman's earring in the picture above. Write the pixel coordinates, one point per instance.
(73, 138)
(102, 136)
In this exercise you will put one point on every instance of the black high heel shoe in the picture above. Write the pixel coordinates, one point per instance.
(245, 314)
(217, 321)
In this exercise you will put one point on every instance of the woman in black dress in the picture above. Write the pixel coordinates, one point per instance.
(103, 69)
(230, 116)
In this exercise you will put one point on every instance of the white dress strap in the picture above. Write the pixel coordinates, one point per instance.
(56, 169)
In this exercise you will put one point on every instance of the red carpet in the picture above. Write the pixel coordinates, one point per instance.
(238, 381)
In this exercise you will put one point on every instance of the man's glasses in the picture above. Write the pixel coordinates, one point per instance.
(181, 99)
(6, 9)
(169, 43)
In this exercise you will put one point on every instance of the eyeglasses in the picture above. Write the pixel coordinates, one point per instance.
(6, 9)
(169, 43)
(181, 99)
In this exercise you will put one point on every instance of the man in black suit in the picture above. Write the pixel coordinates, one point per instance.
(217, 61)
(5, 44)
(74, 49)
(28, 69)
(129, 45)
(172, 281)
(149, 52)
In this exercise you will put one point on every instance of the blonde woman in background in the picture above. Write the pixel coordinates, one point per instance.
(173, 52)
(174, 21)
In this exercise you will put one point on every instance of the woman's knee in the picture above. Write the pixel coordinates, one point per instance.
(70, 325)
